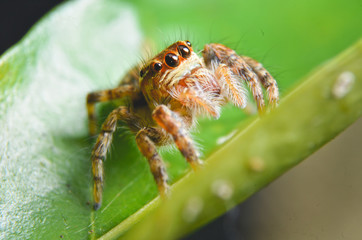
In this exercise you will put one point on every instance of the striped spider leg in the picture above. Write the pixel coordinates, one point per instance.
(222, 59)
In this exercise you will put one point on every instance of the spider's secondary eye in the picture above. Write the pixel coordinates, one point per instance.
(184, 51)
(188, 43)
(142, 72)
(172, 60)
(157, 66)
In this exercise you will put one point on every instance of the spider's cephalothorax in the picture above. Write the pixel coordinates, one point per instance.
(167, 95)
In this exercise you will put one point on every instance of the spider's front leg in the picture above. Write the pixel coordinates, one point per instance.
(169, 121)
(103, 142)
(218, 57)
(266, 79)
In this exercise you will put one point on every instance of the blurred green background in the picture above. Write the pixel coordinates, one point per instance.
(290, 38)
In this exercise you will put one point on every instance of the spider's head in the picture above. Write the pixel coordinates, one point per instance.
(169, 66)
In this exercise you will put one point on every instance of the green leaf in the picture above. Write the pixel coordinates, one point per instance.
(45, 148)
(81, 46)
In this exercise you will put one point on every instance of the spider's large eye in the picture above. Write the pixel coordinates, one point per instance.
(184, 51)
(157, 66)
(172, 60)
(188, 43)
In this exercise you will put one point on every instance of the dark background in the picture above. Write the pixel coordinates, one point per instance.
(17, 17)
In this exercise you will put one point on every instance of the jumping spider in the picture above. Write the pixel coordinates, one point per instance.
(167, 95)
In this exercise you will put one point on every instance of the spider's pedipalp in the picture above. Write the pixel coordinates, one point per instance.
(197, 99)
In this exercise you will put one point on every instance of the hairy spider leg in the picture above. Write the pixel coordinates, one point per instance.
(251, 78)
(102, 145)
(269, 83)
(169, 121)
(146, 139)
(233, 88)
(219, 54)
(104, 96)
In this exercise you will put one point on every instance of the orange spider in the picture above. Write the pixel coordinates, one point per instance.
(167, 95)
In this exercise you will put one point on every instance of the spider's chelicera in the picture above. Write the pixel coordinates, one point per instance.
(167, 95)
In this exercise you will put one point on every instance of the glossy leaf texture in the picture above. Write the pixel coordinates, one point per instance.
(87, 45)
(45, 148)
